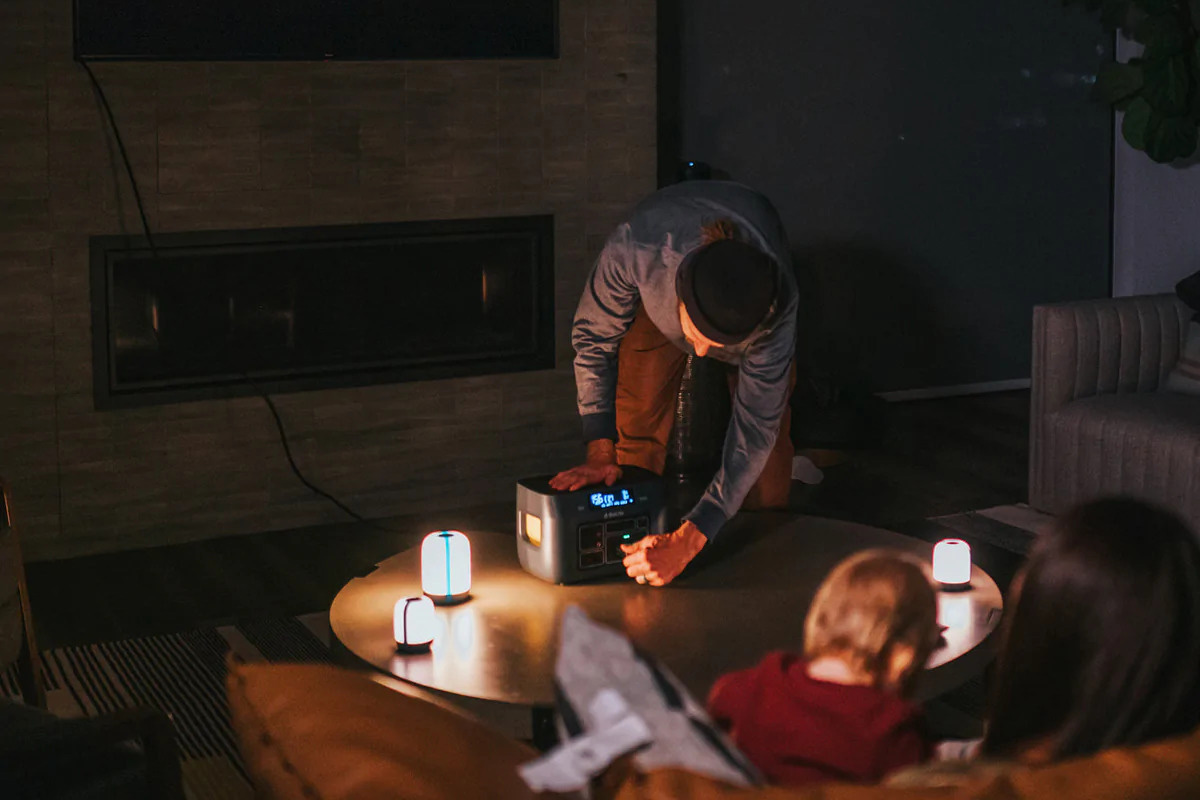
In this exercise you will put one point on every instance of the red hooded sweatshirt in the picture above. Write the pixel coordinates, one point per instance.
(798, 730)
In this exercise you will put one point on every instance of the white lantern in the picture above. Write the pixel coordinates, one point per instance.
(414, 623)
(952, 563)
(446, 567)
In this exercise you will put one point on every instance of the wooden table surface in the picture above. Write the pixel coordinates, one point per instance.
(747, 594)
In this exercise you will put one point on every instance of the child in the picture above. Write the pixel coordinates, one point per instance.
(840, 711)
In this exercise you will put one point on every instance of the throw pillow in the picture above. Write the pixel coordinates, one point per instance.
(1185, 377)
(311, 732)
(612, 698)
(1163, 770)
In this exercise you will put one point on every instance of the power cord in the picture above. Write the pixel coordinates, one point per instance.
(137, 196)
(287, 451)
(112, 124)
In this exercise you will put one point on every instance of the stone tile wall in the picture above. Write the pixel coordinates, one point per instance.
(240, 145)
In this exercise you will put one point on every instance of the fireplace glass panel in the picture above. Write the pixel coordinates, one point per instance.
(392, 304)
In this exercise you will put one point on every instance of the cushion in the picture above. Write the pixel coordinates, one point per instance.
(596, 663)
(311, 732)
(680, 785)
(1167, 770)
(1186, 375)
(1146, 445)
(316, 732)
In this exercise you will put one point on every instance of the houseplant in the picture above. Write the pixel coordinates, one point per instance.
(1158, 91)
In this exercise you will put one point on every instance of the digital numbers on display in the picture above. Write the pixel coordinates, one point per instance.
(610, 499)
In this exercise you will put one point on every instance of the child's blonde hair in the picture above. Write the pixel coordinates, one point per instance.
(867, 605)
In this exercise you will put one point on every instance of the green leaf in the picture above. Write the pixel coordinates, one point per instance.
(1133, 127)
(1116, 81)
(1162, 34)
(1194, 8)
(1169, 138)
(1165, 85)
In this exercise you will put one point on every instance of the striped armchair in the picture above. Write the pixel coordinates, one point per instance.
(1101, 419)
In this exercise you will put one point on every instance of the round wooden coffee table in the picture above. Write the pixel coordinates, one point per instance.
(746, 595)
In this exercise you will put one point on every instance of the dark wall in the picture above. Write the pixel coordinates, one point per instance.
(938, 164)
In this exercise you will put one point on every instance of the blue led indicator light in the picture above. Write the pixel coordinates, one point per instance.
(610, 499)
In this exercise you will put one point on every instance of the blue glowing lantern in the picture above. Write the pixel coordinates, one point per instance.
(446, 567)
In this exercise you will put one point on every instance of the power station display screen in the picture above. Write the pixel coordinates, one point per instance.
(611, 499)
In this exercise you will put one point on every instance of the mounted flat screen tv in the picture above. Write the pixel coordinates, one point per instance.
(314, 30)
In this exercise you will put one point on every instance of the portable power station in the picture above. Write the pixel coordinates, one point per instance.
(567, 537)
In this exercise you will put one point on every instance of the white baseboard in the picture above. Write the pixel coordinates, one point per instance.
(956, 391)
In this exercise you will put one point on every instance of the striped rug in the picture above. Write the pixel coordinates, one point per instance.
(183, 675)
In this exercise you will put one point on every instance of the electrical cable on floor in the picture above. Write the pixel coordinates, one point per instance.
(137, 196)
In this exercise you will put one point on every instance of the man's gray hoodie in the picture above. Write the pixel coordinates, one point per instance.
(638, 266)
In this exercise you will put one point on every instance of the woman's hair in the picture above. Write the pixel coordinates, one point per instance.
(1102, 644)
(868, 604)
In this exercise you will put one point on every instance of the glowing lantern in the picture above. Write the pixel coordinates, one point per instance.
(952, 563)
(446, 567)
(414, 624)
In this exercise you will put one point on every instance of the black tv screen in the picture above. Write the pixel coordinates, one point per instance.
(320, 30)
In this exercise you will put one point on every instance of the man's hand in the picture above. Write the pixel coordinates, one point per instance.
(600, 467)
(585, 475)
(658, 560)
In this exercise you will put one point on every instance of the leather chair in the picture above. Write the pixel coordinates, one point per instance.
(127, 754)
(17, 642)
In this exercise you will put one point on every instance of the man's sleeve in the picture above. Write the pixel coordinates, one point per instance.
(606, 310)
(758, 406)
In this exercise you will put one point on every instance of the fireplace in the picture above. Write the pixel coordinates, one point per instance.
(224, 313)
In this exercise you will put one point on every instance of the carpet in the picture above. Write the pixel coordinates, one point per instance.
(183, 675)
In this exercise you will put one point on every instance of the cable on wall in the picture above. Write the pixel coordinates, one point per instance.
(137, 196)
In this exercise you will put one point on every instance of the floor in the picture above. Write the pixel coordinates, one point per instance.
(937, 457)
